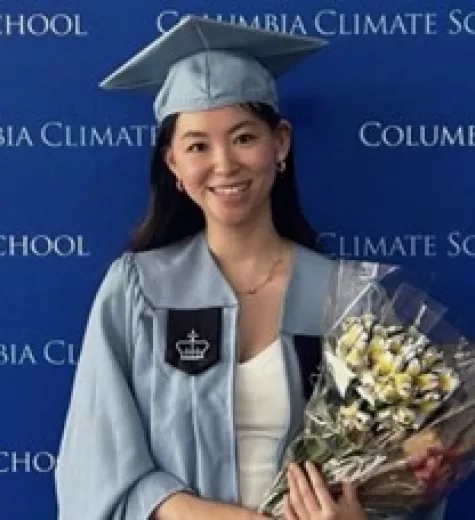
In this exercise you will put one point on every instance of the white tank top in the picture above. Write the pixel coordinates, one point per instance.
(261, 416)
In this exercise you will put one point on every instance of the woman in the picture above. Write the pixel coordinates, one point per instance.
(199, 348)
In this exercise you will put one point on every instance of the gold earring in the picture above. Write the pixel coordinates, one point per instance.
(281, 166)
(179, 185)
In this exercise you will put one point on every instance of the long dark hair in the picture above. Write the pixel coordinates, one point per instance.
(172, 215)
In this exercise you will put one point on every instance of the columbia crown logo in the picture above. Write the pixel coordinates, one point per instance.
(193, 348)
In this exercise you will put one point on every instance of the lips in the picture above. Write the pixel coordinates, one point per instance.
(231, 189)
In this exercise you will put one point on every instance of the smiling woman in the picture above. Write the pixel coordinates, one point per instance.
(233, 162)
(195, 366)
(226, 163)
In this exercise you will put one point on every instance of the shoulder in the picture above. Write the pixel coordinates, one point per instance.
(311, 263)
(164, 257)
(155, 277)
(307, 292)
(132, 268)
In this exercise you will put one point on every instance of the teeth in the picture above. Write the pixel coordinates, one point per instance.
(230, 190)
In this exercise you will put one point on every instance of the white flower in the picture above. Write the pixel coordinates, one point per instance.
(368, 394)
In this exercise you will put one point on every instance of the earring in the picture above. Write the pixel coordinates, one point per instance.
(281, 166)
(179, 185)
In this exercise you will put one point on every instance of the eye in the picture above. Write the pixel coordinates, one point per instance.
(245, 138)
(199, 146)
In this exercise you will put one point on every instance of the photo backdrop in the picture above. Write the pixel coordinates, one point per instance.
(384, 125)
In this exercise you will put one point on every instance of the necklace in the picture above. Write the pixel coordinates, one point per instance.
(264, 282)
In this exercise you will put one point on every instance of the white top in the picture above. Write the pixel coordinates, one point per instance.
(261, 416)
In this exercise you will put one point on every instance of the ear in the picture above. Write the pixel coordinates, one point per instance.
(283, 137)
(169, 159)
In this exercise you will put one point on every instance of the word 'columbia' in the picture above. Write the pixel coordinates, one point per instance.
(330, 22)
(374, 134)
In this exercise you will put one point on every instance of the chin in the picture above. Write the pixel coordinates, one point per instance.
(231, 223)
(231, 219)
(239, 216)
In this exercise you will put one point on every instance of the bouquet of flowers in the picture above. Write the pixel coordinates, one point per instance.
(393, 407)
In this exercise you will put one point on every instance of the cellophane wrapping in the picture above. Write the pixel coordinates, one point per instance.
(393, 406)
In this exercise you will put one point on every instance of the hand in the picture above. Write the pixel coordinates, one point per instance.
(310, 499)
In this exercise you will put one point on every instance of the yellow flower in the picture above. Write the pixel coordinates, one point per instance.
(377, 347)
(448, 382)
(351, 336)
(348, 415)
(414, 367)
(430, 357)
(405, 416)
(357, 356)
(427, 382)
(386, 363)
(386, 391)
(404, 384)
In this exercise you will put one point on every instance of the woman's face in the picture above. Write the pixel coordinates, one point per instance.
(226, 160)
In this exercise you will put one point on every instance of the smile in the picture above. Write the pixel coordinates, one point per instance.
(231, 189)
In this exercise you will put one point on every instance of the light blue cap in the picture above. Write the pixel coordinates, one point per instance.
(201, 64)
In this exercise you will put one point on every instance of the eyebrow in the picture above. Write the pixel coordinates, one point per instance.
(197, 134)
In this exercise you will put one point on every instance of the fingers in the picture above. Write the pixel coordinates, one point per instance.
(296, 501)
(349, 492)
(319, 487)
(349, 500)
(287, 509)
(302, 497)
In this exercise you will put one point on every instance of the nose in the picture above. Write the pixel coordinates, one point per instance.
(224, 160)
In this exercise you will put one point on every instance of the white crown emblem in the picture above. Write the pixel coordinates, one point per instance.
(192, 349)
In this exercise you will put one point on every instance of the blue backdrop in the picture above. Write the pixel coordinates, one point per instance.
(384, 123)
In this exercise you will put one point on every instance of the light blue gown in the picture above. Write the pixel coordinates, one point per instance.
(151, 411)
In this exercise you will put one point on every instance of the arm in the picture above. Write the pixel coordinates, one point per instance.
(184, 506)
(105, 470)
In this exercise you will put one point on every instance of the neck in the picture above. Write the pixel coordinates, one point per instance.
(237, 246)
(250, 257)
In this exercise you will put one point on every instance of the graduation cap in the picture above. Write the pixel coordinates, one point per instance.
(201, 64)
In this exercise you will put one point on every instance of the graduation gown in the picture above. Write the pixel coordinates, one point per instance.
(152, 406)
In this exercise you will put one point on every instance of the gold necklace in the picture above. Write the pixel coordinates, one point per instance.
(267, 279)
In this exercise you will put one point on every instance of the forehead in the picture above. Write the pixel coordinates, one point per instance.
(216, 119)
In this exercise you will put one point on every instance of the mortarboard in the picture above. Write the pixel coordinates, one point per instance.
(201, 64)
